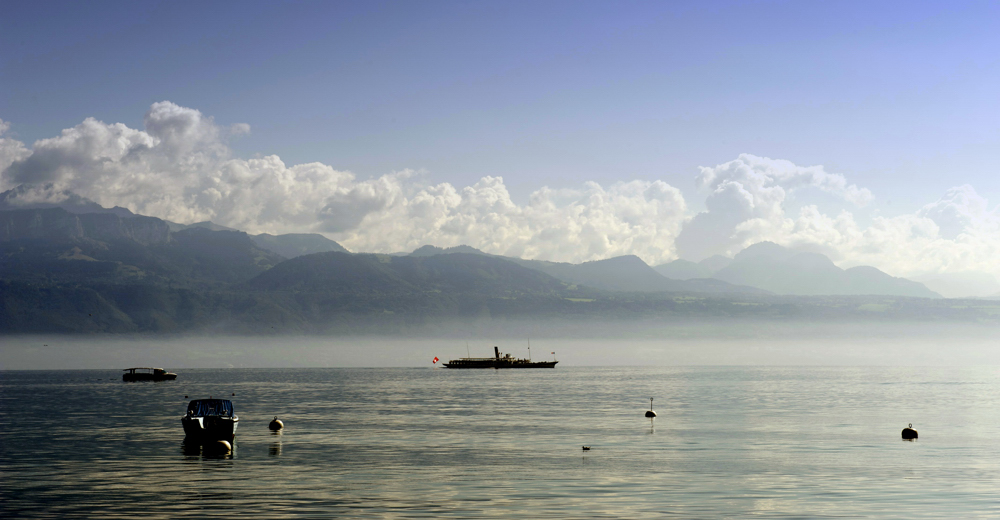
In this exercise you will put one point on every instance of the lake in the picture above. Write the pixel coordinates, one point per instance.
(770, 442)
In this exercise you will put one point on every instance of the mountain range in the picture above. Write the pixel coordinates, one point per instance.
(780, 270)
(60, 270)
(623, 273)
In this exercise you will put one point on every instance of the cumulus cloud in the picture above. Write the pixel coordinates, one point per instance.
(956, 234)
(746, 202)
(772, 177)
(961, 210)
(11, 150)
(641, 218)
(903, 245)
(179, 167)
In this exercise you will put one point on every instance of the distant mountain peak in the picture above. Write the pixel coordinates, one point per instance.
(785, 271)
(683, 270)
(624, 260)
(208, 224)
(715, 263)
(292, 245)
(765, 250)
(46, 196)
(429, 250)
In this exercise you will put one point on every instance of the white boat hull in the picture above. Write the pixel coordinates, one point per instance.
(210, 428)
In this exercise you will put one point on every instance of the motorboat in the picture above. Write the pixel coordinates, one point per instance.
(147, 374)
(210, 420)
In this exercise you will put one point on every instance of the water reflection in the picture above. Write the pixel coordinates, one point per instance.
(372, 443)
(207, 450)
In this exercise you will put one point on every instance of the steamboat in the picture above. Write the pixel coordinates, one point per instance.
(498, 361)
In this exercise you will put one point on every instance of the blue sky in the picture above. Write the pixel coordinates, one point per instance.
(898, 97)
(895, 95)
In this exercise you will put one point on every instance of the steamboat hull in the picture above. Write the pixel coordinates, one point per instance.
(533, 364)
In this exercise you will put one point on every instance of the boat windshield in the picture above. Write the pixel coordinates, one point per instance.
(207, 407)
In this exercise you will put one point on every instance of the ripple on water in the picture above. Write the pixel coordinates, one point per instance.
(396, 443)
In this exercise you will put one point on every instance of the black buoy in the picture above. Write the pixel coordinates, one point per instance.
(909, 433)
(275, 424)
(650, 413)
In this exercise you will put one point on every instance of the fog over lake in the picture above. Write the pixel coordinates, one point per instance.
(594, 344)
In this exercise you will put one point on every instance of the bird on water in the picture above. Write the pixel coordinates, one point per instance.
(650, 413)
(909, 433)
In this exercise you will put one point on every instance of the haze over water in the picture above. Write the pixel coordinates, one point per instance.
(775, 442)
(590, 343)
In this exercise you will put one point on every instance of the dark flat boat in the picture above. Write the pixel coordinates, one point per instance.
(210, 420)
(498, 361)
(147, 374)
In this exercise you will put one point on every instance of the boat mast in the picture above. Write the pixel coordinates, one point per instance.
(529, 349)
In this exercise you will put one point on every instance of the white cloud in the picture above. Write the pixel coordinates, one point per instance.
(179, 167)
(746, 202)
(768, 179)
(641, 218)
(11, 150)
(955, 234)
(961, 210)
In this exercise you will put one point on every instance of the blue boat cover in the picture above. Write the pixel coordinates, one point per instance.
(208, 407)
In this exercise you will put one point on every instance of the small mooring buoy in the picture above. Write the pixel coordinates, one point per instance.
(586, 448)
(275, 424)
(650, 413)
(219, 446)
(909, 433)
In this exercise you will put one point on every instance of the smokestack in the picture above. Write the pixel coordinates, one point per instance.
(496, 350)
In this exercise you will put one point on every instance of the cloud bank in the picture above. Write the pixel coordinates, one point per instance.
(747, 204)
(180, 167)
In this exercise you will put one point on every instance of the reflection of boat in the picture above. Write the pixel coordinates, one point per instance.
(147, 374)
(506, 361)
(210, 420)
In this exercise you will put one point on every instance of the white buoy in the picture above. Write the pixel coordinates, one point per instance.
(276, 424)
(222, 446)
(650, 413)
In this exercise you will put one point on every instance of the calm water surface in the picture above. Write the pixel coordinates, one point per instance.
(421, 443)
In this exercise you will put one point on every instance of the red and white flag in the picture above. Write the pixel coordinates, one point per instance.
(435, 359)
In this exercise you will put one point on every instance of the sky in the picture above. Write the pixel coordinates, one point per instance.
(564, 131)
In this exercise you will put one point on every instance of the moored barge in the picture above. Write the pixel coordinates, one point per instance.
(147, 374)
